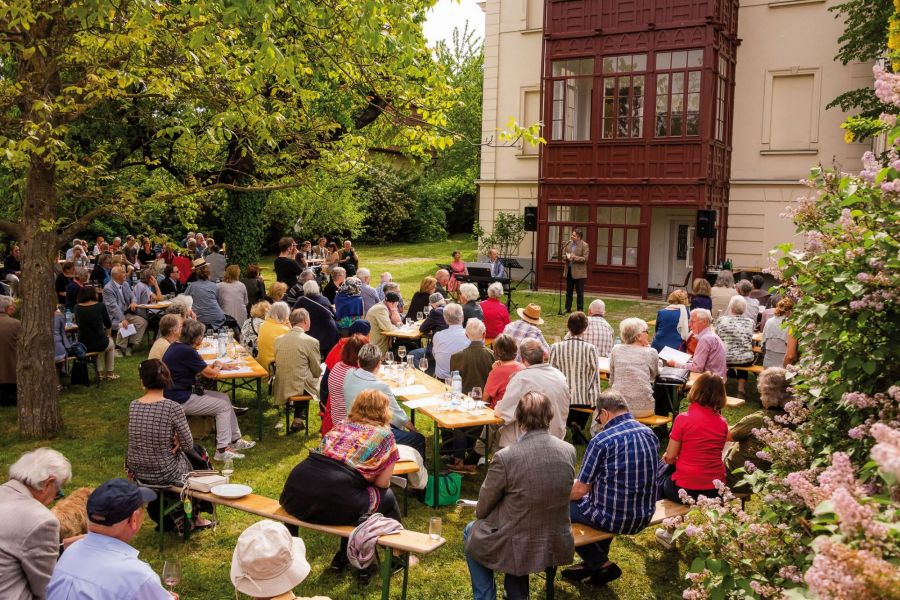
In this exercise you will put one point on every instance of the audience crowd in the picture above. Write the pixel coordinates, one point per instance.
(322, 332)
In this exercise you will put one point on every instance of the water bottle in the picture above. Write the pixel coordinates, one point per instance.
(456, 385)
(223, 347)
(69, 317)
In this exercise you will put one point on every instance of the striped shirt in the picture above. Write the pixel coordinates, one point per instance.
(577, 360)
(336, 401)
(599, 333)
(620, 465)
(737, 335)
(522, 330)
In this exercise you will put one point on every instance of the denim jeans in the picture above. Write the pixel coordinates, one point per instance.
(414, 439)
(594, 555)
(483, 585)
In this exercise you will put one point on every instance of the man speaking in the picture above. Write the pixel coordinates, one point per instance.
(576, 257)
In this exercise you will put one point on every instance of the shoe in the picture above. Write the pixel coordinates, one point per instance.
(664, 537)
(463, 469)
(605, 575)
(578, 573)
(339, 562)
(243, 444)
(742, 395)
(128, 351)
(240, 410)
(226, 454)
(364, 576)
(119, 353)
(110, 377)
(298, 426)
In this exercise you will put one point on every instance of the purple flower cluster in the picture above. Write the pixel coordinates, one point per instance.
(887, 86)
(841, 572)
(886, 453)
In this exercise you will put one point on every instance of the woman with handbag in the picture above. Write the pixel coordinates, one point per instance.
(158, 434)
(348, 476)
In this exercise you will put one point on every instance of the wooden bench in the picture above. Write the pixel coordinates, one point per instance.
(755, 369)
(655, 420)
(406, 541)
(91, 358)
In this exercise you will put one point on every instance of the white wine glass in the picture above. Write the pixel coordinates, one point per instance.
(475, 394)
(389, 358)
(419, 316)
(423, 364)
(171, 574)
(401, 353)
(228, 469)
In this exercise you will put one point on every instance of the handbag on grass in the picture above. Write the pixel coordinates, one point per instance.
(449, 486)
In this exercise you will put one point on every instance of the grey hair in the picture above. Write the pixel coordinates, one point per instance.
(338, 272)
(116, 270)
(369, 357)
(597, 307)
(612, 401)
(495, 290)
(702, 313)
(6, 302)
(391, 286)
(191, 331)
(279, 311)
(82, 275)
(772, 385)
(475, 329)
(310, 288)
(435, 299)
(737, 305)
(33, 468)
(298, 317)
(453, 314)
(364, 272)
(469, 291)
(531, 352)
(725, 279)
(631, 328)
(307, 275)
(744, 287)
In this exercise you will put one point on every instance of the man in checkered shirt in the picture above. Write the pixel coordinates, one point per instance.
(598, 332)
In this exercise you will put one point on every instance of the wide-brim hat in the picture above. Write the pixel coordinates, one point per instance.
(199, 263)
(531, 313)
(268, 561)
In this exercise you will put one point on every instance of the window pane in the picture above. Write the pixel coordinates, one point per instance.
(578, 113)
(623, 64)
(602, 245)
(631, 257)
(579, 214)
(552, 241)
(609, 64)
(676, 124)
(694, 81)
(603, 215)
(677, 103)
(692, 124)
(677, 83)
(616, 258)
(695, 58)
(602, 255)
(637, 127)
(573, 66)
(618, 216)
(679, 60)
(663, 60)
(662, 85)
(693, 102)
(633, 215)
(609, 128)
(662, 104)
(662, 126)
(631, 239)
(640, 62)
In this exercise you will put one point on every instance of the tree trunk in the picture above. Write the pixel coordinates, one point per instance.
(245, 231)
(39, 414)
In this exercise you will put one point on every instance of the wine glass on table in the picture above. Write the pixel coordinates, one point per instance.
(388, 358)
(426, 310)
(228, 469)
(423, 364)
(171, 574)
(475, 394)
(401, 353)
(420, 316)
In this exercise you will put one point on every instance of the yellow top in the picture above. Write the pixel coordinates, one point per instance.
(268, 331)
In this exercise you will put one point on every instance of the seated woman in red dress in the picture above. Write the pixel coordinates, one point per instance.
(457, 267)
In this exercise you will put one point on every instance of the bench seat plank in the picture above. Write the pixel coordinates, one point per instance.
(584, 534)
(263, 506)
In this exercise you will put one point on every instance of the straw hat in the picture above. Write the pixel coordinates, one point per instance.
(531, 314)
(267, 561)
(199, 263)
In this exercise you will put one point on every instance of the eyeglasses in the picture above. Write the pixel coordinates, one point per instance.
(59, 491)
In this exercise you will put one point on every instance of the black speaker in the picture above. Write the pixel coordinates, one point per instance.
(531, 218)
(706, 223)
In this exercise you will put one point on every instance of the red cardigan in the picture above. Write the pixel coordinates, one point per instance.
(496, 317)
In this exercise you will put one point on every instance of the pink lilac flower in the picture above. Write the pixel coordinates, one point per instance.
(888, 119)
(887, 86)
(853, 516)
(844, 573)
(871, 166)
(886, 453)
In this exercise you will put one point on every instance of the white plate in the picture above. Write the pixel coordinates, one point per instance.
(232, 490)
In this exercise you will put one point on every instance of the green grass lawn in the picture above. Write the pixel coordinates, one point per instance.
(95, 441)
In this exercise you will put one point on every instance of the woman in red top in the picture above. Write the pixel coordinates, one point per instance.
(505, 367)
(457, 267)
(496, 317)
(694, 453)
(349, 360)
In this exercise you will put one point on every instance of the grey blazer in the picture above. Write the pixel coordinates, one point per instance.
(523, 507)
(29, 543)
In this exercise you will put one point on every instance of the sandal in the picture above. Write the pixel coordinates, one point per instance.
(109, 377)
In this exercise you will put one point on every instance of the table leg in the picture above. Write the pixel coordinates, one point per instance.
(407, 556)
(386, 574)
(259, 408)
(412, 416)
(436, 465)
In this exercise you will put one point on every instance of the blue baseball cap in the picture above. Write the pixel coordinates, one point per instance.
(115, 500)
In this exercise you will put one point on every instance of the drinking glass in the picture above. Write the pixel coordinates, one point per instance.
(426, 310)
(172, 571)
(419, 316)
(423, 364)
(475, 394)
(227, 470)
(434, 528)
(401, 353)
(388, 358)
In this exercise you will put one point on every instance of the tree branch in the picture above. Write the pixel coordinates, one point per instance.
(13, 230)
(83, 222)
